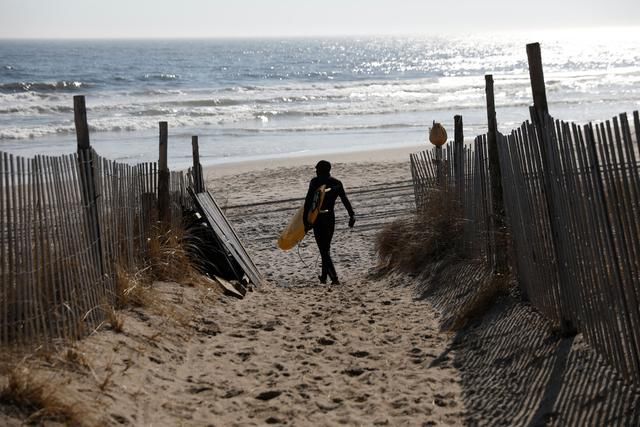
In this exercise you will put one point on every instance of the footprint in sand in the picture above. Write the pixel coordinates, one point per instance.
(233, 392)
(268, 395)
(354, 372)
(244, 356)
(326, 341)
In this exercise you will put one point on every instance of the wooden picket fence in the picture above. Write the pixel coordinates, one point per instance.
(66, 224)
(572, 201)
(576, 227)
(465, 176)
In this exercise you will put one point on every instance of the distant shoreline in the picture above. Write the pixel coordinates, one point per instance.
(380, 155)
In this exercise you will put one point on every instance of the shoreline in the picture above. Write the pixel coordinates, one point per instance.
(381, 155)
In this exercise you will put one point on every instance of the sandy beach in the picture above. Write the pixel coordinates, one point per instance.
(151, 157)
(294, 352)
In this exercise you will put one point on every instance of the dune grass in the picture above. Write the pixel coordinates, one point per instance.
(485, 297)
(167, 260)
(432, 234)
(430, 242)
(37, 401)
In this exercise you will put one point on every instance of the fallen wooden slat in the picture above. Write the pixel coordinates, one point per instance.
(225, 232)
(228, 288)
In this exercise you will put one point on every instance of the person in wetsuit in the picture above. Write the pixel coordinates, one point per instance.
(325, 223)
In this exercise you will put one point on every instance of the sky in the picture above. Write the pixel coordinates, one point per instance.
(278, 18)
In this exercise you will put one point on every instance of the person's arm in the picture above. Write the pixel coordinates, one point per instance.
(347, 205)
(308, 200)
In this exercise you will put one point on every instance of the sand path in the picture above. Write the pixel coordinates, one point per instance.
(297, 352)
(361, 354)
(293, 352)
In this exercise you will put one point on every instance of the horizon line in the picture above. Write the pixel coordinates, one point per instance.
(443, 33)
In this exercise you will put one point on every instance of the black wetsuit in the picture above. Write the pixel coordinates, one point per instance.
(325, 223)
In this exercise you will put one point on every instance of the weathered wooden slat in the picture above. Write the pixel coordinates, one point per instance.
(142, 220)
(624, 178)
(544, 224)
(25, 315)
(110, 208)
(614, 273)
(5, 250)
(131, 200)
(580, 296)
(85, 245)
(636, 125)
(54, 270)
(530, 253)
(75, 232)
(68, 277)
(598, 259)
(18, 330)
(587, 312)
(620, 238)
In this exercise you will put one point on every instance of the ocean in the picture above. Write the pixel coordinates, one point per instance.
(251, 99)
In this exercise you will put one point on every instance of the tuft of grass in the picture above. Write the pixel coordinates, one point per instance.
(76, 358)
(483, 299)
(169, 259)
(115, 320)
(133, 289)
(432, 234)
(36, 401)
(102, 385)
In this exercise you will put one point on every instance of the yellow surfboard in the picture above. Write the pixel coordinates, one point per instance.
(295, 232)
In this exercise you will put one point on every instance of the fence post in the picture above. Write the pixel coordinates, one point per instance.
(544, 124)
(439, 166)
(458, 155)
(198, 181)
(537, 78)
(495, 178)
(87, 177)
(164, 212)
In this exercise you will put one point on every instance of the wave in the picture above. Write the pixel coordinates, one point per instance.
(17, 133)
(160, 77)
(245, 88)
(60, 86)
(262, 115)
(229, 102)
(216, 102)
(38, 109)
(119, 124)
(154, 92)
(326, 128)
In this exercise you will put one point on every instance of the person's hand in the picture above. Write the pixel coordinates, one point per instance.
(352, 221)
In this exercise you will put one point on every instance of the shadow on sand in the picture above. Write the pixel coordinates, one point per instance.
(515, 370)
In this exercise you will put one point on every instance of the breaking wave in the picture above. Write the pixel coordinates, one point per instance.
(62, 86)
(161, 77)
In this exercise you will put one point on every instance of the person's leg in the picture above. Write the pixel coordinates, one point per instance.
(320, 234)
(329, 229)
(323, 232)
